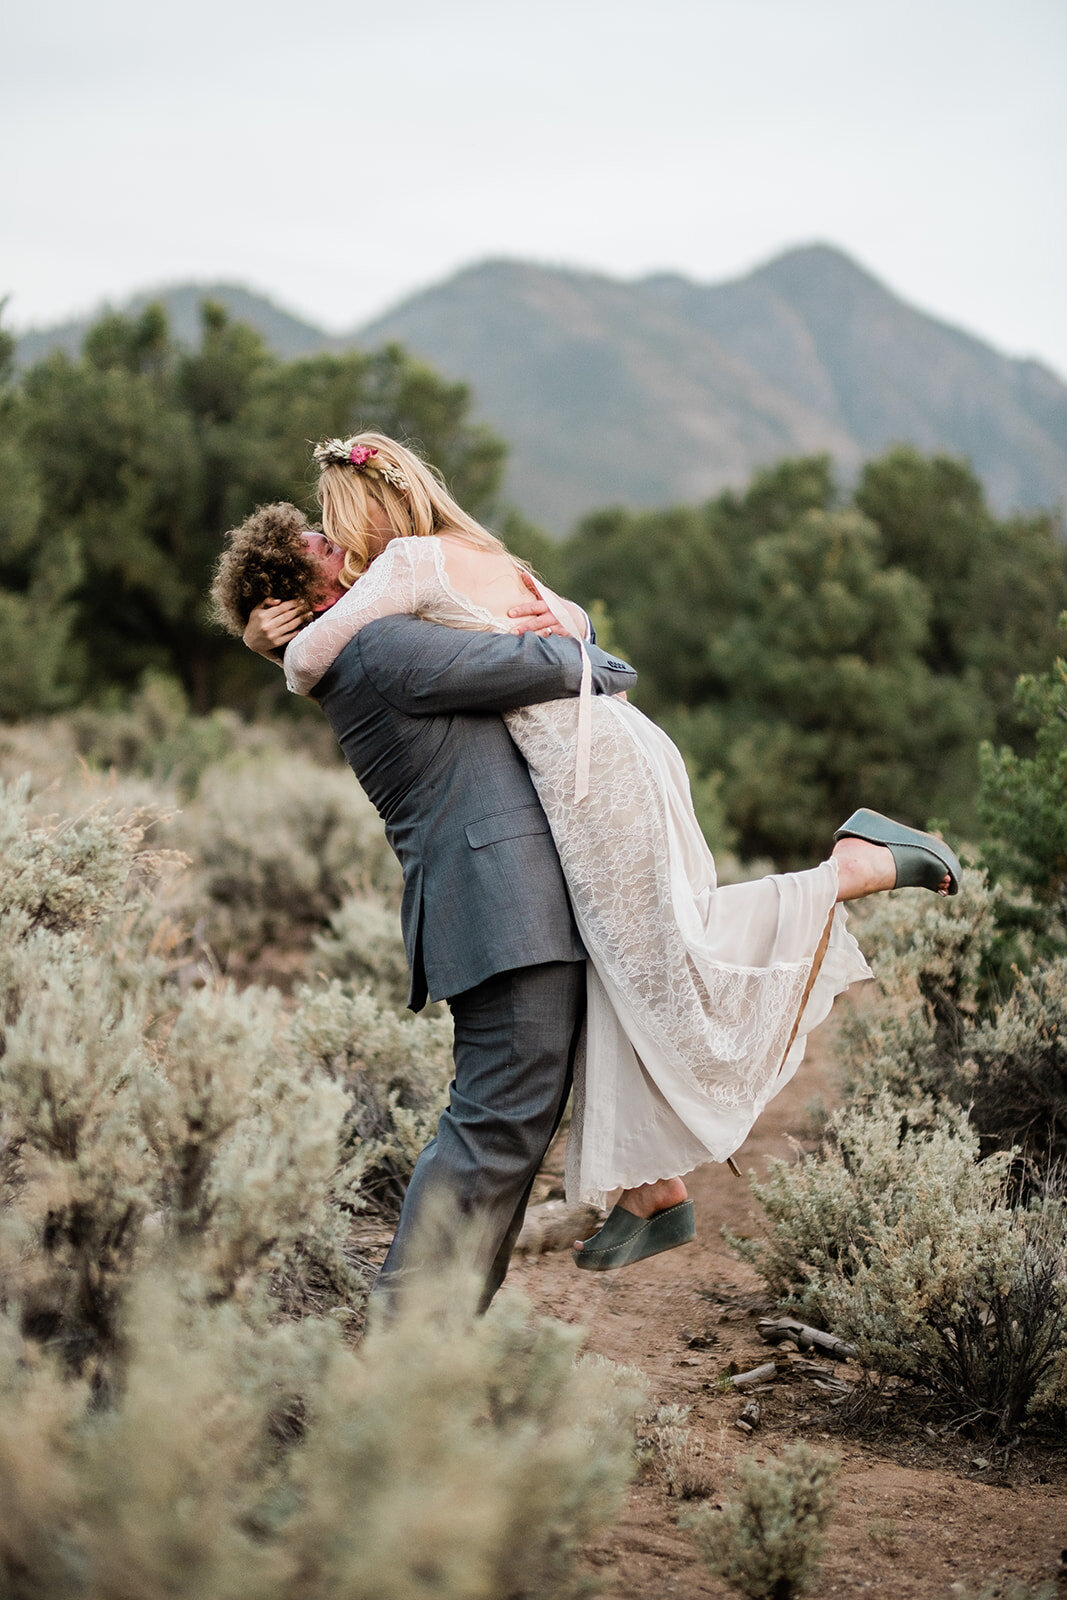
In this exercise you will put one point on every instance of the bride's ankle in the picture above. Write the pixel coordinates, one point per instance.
(648, 1198)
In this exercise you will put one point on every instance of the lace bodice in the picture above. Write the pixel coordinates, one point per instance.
(409, 578)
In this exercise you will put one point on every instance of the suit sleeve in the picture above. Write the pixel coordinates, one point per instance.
(427, 669)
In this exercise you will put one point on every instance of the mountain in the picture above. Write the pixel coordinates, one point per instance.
(665, 390)
(287, 334)
(668, 390)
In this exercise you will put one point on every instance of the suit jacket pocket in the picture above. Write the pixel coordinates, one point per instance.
(506, 825)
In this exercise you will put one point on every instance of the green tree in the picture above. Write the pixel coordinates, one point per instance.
(817, 655)
(136, 457)
(1023, 799)
(996, 586)
(672, 581)
(825, 702)
(35, 579)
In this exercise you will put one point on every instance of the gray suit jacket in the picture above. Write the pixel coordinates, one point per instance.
(416, 709)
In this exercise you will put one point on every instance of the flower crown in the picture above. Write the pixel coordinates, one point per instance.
(343, 453)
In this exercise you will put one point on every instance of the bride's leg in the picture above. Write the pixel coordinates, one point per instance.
(648, 1198)
(864, 869)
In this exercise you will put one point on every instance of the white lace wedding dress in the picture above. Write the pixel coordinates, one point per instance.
(700, 997)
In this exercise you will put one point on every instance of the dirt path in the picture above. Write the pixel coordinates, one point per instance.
(912, 1519)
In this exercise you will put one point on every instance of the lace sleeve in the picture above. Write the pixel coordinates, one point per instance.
(397, 583)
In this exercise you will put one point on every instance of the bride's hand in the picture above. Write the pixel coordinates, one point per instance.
(534, 615)
(272, 624)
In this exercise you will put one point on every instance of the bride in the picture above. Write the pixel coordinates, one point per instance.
(700, 997)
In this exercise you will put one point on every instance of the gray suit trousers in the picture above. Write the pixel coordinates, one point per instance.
(515, 1039)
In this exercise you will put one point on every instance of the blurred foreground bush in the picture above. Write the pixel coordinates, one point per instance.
(449, 1458)
(180, 1166)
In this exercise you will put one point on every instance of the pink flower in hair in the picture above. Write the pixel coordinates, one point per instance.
(360, 454)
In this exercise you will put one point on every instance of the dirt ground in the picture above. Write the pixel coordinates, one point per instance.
(920, 1511)
(916, 1515)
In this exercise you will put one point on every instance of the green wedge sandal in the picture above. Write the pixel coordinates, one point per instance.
(625, 1238)
(921, 859)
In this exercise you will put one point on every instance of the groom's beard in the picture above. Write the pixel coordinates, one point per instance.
(328, 600)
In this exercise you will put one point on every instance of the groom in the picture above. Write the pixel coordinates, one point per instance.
(486, 920)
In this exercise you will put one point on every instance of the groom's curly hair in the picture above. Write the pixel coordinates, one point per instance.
(266, 558)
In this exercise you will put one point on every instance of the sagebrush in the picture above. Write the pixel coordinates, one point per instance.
(182, 1409)
(767, 1539)
(450, 1458)
(899, 1238)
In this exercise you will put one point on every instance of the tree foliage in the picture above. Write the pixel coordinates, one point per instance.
(120, 471)
(810, 651)
(1023, 798)
(821, 654)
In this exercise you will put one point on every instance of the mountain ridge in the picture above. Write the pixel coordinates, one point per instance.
(661, 389)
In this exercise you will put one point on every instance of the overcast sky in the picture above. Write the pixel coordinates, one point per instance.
(341, 163)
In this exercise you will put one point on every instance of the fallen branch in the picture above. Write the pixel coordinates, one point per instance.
(749, 1419)
(832, 1385)
(773, 1330)
(741, 1380)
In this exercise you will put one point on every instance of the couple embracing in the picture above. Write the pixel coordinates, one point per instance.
(558, 892)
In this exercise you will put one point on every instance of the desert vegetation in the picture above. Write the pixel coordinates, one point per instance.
(209, 1085)
(183, 1407)
(931, 1226)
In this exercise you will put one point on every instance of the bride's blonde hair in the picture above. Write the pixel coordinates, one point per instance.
(372, 469)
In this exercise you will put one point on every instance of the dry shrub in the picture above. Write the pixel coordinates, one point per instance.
(939, 1025)
(898, 1238)
(138, 1116)
(492, 1456)
(931, 957)
(279, 837)
(449, 1458)
(767, 1541)
(153, 735)
(66, 874)
(395, 1071)
(680, 1457)
(39, 753)
(1013, 1067)
(210, 1147)
(363, 947)
(279, 842)
(179, 1166)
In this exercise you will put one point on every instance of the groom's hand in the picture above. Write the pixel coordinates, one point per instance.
(272, 624)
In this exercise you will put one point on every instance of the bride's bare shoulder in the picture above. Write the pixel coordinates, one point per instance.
(489, 578)
(462, 555)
